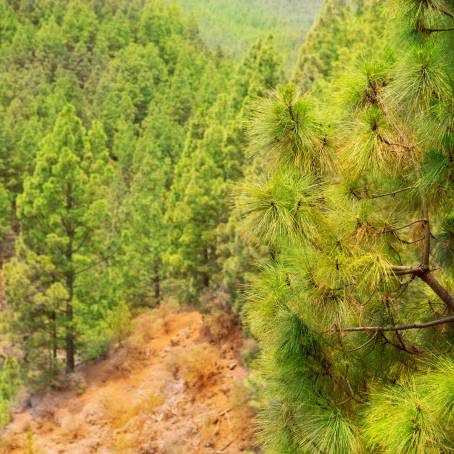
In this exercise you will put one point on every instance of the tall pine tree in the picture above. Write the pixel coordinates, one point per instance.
(60, 213)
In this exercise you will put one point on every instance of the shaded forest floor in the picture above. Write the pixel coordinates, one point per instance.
(166, 389)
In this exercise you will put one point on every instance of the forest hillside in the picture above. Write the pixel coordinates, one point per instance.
(293, 208)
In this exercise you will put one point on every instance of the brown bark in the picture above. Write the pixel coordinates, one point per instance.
(157, 283)
(423, 271)
(70, 350)
(438, 289)
(440, 321)
(70, 277)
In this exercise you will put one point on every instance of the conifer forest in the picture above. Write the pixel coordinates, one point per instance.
(226, 226)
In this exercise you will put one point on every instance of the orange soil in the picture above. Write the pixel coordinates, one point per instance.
(141, 400)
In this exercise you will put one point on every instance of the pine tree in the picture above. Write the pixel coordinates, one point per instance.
(60, 212)
(213, 159)
(197, 205)
(343, 31)
(144, 233)
(8, 23)
(257, 75)
(355, 309)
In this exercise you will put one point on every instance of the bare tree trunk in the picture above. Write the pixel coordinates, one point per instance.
(54, 336)
(69, 324)
(157, 283)
(206, 276)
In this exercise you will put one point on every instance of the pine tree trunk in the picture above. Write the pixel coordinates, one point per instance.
(69, 306)
(69, 327)
(157, 284)
(70, 350)
(206, 276)
(54, 338)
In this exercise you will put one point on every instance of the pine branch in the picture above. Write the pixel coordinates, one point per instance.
(399, 347)
(434, 30)
(405, 241)
(414, 241)
(391, 316)
(402, 270)
(95, 264)
(427, 276)
(404, 140)
(435, 285)
(394, 144)
(376, 196)
(394, 229)
(362, 345)
(379, 329)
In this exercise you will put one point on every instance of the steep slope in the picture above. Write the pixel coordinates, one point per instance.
(166, 389)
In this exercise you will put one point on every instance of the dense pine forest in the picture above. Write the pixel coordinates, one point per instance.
(286, 167)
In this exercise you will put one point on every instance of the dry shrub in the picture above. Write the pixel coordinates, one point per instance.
(242, 413)
(142, 334)
(218, 319)
(30, 445)
(124, 444)
(71, 426)
(8, 444)
(76, 381)
(209, 429)
(114, 405)
(148, 324)
(196, 365)
(240, 394)
(166, 308)
(175, 445)
(218, 324)
(121, 411)
(249, 351)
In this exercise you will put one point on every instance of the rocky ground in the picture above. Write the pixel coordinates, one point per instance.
(167, 389)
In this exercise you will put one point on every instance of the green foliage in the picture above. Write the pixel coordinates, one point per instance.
(5, 211)
(34, 312)
(10, 382)
(289, 128)
(353, 192)
(344, 32)
(420, 412)
(60, 212)
(213, 157)
(281, 207)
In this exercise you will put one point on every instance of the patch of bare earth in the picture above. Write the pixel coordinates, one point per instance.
(166, 390)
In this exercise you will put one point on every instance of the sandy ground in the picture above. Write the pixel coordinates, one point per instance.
(166, 389)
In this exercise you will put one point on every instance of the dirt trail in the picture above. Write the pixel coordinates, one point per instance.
(165, 390)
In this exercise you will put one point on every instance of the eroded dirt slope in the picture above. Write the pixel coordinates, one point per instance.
(165, 390)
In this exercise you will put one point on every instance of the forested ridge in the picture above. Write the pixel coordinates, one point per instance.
(233, 25)
(145, 158)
